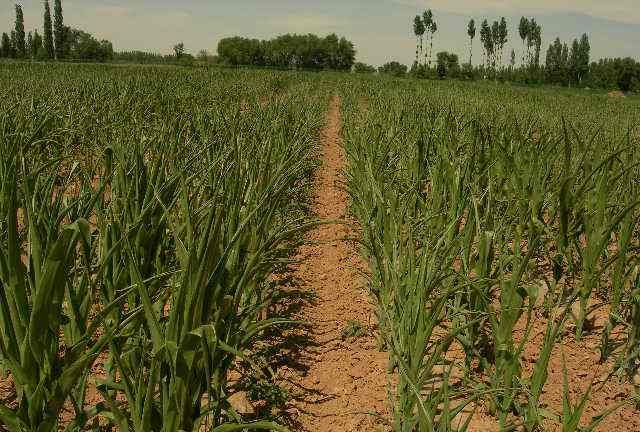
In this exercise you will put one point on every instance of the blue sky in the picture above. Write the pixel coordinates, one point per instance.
(380, 29)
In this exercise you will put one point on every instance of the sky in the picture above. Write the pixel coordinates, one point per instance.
(380, 29)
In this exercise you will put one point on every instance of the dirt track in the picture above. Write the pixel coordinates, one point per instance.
(340, 383)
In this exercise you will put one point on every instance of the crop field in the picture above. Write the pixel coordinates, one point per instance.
(193, 249)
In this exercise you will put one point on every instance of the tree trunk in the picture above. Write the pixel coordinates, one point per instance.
(431, 50)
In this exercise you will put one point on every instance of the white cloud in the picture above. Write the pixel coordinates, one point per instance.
(627, 11)
(113, 11)
(307, 23)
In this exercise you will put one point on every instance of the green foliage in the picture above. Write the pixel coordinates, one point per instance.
(393, 68)
(363, 68)
(353, 329)
(20, 42)
(448, 65)
(129, 244)
(289, 51)
(48, 32)
(58, 30)
(465, 204)
(5, 46)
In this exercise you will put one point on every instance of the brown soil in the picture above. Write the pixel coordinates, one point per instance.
(617, 94)
(338, 383)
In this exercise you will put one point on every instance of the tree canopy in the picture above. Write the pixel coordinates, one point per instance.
(289, 51)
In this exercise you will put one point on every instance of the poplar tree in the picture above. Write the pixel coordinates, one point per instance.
(503, 37)
(29, 48)
(433, 30)
(5, 46)
(495, 35)
(48, 31)
(58, 29)
(584, 57)
(419, 30)
(471, 32)
(523, 29)
(486, 37)
(19, 43)
(427, 20)
(37, 45)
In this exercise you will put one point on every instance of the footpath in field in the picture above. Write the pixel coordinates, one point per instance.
(340, 384)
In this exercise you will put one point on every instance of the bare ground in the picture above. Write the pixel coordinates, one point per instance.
(338, 382)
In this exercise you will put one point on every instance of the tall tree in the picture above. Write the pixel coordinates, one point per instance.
(523, 29)
(427, 20)
(48, 31)
(14, 51)
(5, 46)
(487, 42)
(419, 30)
(37, 45)
(495, 35)
(19, 44)
(555, 63)
(471, 32)
(503, 37)
(534, 41)
(584, 57)
(29, 48)
(433, 30)
(574, 62)
(58, 29)
(178, 50)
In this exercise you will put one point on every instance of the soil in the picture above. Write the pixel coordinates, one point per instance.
(339, 381)
(617, 94)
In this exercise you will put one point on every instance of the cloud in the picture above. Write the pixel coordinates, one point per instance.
(113, 11)
(308, 23)
(626, 11)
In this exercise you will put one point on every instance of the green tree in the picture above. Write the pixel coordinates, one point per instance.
(427, 21)
(178, 50)
(471, 32)
(523, 30)
(20, 44)
(419, 30)
(495, 36)
(5, 46)
(48, 32)
(14, 52)
(556, 63)
(486, 37)
(447, 65)
(433, 30)
(393, 68)
(36, 46)
(584, 58)
(579, 60)
(363, 68)
(203, 55)
(58, 29)
(503, 37)
(534, 41)
(29, 48)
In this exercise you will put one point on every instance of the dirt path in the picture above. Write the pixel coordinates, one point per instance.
(340, 383)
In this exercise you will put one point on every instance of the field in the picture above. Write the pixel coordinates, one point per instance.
(194, 249)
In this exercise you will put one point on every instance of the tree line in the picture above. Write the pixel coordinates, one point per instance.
(57, 42)
(289, 51)
(564, 64)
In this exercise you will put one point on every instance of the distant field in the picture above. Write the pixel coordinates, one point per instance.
(152, 218)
